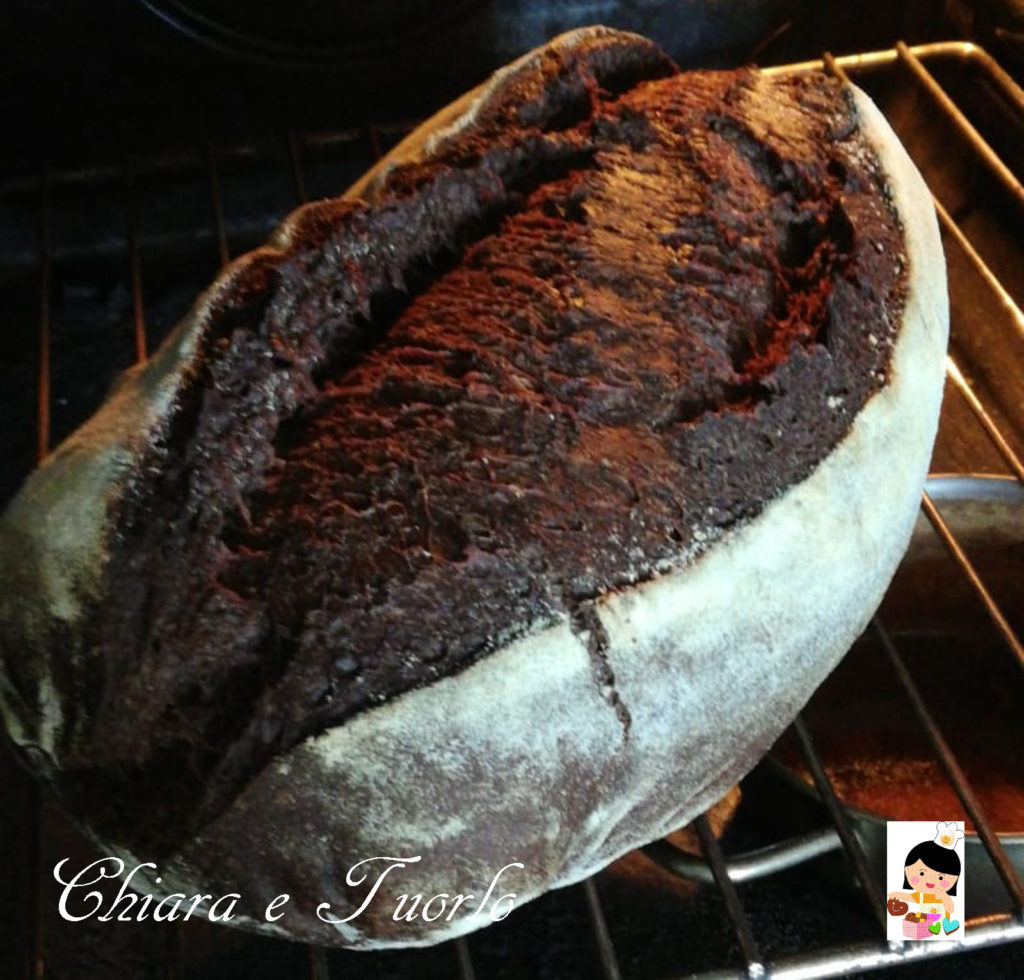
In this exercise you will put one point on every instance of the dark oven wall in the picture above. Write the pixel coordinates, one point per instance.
(82, 78)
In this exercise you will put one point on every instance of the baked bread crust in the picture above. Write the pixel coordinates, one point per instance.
(520, 757)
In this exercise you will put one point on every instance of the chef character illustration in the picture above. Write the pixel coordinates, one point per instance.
(931, 870)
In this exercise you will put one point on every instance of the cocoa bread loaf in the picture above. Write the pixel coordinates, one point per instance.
(500, 512)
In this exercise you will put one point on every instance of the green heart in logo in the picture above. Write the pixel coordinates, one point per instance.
(934, 927)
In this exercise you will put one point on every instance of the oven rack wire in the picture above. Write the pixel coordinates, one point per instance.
(1004, 927)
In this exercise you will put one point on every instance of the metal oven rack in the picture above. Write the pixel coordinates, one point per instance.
(295, 158)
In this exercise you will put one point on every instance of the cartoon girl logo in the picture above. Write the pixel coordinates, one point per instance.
(931, 871)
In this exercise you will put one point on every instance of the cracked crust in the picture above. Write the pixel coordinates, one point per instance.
(454, 771)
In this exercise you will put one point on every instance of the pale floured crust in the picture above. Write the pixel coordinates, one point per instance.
(521, 758)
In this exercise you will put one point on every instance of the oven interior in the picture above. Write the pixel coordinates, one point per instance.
(148, 142)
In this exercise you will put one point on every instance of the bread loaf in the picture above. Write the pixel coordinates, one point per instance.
(500, 512)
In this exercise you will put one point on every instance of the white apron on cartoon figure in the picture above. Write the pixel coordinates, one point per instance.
(931, 869)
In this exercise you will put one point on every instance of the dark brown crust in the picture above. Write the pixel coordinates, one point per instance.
(215, 657)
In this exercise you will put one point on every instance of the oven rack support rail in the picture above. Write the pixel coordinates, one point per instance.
(715, 868)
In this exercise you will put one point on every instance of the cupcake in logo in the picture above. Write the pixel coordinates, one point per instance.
(931, 872)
